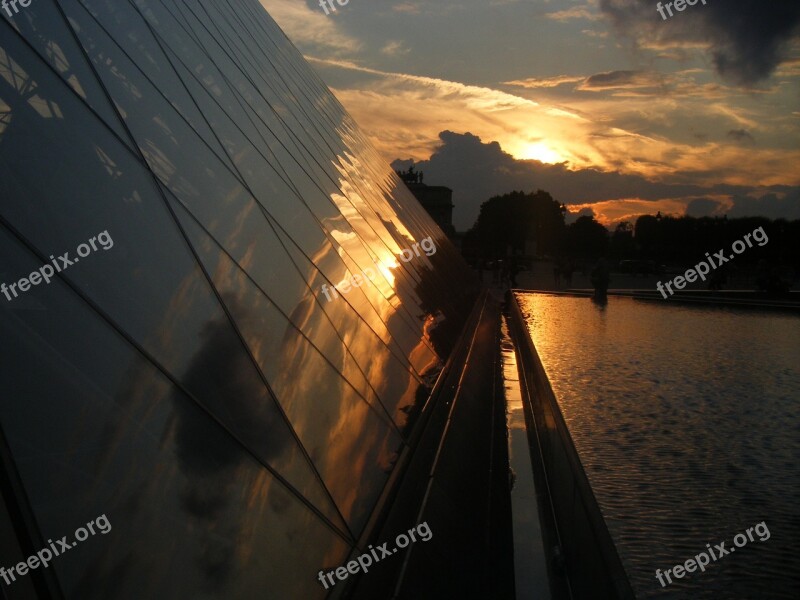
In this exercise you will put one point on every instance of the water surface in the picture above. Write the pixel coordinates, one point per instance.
(687, 421)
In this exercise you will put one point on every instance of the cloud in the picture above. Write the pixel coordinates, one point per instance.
(407, 7)
(403, 115)
(573, 214)
(634, 83)
(594, 33)
(310, 27)
(394, 48)
(774, 205)
(477, 171)
(546, 82)
(637, 122)
(614, 80)
(570, 14)
(704, 207)
(611, 212)
(477, 97)
(747, 39)
(741, 135)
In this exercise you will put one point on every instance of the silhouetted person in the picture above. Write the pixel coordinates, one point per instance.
(567, 269)
(762, 276)
(557, 273)
(513, 269)
(718, 278)
(600, 279)
(769, 280)
(505, 272)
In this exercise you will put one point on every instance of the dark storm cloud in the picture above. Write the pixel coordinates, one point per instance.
(784, 205)
(748, 38)
(702, 207)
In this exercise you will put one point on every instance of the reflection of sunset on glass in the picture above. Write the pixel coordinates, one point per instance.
(385, 267)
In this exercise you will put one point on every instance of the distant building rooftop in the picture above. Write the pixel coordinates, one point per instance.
(436, 199)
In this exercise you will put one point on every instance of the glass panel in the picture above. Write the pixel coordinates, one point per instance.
(251, 243)
(303, 314)
(330, 416)
(325, 269)
(227, 430)
(43, 26)
(94, 196)
(186, 181)
(259, 85)
(95, 429)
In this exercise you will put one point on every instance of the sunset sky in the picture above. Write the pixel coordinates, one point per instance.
(602, 103)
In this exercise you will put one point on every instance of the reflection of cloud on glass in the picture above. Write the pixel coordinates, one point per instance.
(332, 408)
(375, 259)
(364, 177)
(210, 468)
(226, 372)
(346, 438)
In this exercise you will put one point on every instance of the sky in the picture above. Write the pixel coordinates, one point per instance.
(611, 108)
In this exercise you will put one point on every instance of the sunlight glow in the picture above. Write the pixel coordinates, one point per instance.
(541, 152)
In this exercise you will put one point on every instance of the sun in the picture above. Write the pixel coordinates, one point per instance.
(541, 152)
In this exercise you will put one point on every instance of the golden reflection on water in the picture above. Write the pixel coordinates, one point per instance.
(686, 421)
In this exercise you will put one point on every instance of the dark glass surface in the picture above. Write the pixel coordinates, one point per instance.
(96, 429)
(191, 380)
(149, 265)
(331, 416)
(43, 28)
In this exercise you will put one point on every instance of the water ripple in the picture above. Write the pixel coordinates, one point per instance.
(687, 421)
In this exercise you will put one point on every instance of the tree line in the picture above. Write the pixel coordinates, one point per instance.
(534, 224)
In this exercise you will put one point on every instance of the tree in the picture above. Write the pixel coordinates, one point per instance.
(517, 217)
(586, 238)
(622, 243)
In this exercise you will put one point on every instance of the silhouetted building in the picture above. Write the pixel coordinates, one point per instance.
(436, 199)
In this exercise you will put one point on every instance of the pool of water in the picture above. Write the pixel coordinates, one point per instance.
(687, 422)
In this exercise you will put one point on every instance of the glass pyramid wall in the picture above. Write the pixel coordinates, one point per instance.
(176, 188)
